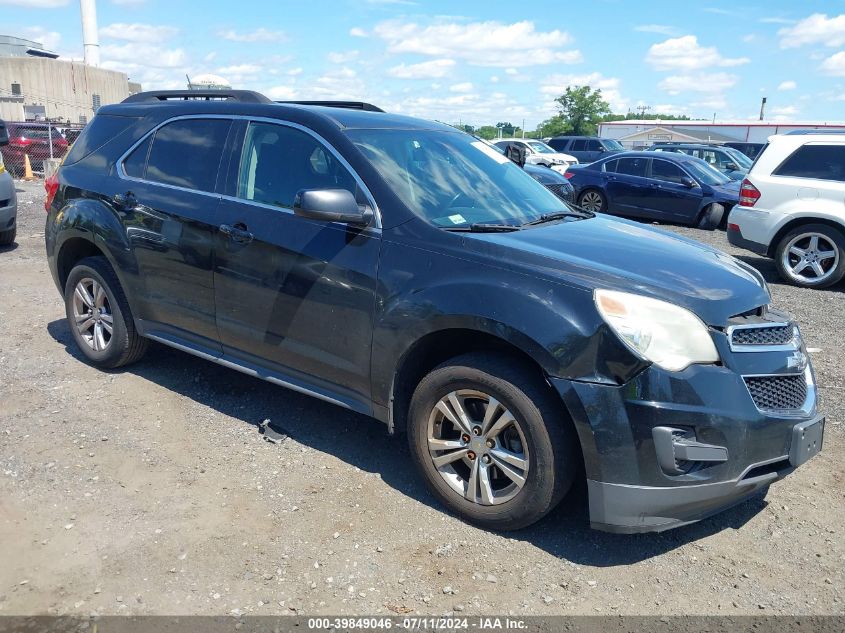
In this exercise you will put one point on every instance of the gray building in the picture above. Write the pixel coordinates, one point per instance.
(36, 85)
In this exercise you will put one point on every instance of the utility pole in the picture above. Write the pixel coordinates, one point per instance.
(642, 109)
(762, 108)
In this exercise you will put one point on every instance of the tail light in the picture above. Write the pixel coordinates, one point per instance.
(20, 141)
(748, 194)
(569, 174)
(51, 186)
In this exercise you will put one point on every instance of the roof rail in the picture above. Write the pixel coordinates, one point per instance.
(163, 96)
(349, 105)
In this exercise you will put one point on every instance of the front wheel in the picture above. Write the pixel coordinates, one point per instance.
(99, 316)
(812, 256)
(491, 442)
(711, 217)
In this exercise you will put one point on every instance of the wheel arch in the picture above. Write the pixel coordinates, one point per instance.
(800, 221)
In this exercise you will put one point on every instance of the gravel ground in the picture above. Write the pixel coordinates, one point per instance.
(149, 491)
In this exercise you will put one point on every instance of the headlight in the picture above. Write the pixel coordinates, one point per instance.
(667, 335)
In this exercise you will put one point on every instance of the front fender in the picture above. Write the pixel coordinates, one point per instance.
(556, 325)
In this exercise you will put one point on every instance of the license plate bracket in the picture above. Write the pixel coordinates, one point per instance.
(807, 438)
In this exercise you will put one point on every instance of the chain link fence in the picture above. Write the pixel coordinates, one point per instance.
(35, 147)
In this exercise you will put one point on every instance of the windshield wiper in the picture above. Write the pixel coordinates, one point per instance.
(480, 227)
(559, 215)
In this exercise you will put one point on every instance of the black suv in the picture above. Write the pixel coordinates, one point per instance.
(408, 271)
(586, 148)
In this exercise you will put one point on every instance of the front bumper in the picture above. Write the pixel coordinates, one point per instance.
(735, 450)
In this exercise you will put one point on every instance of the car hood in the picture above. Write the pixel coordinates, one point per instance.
(728, 191)
(604, 252)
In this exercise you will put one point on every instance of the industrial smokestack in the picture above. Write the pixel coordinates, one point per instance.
(89, 32)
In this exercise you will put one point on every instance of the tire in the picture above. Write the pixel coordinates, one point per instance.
(711, 217)
(828, 256)
(7, 237)
(123, 345)
(595, 200)
(539, 432)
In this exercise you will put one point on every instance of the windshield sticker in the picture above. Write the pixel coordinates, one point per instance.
(457, 219)
(499, 158)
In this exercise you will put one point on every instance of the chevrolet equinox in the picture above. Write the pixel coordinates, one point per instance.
(408, 271)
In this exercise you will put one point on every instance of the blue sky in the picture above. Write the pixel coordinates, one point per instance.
(477, 62)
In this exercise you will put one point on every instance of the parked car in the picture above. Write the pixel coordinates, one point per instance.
(586, 148)
(8, 198)
(733, 163)
(405, 270)
(551, 179)
(791, 208)
(671, 187)
(31, 139)
(749, 149)
(538, 153)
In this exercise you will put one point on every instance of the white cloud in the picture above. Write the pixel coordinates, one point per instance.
(787, 85)
(783, 112)
(461, 87)
(479, 43)
(153, 56)
(128, 3)
(685, 53)
(661, 29)
(424, 70)
(51, 40)
(258, 35)
(816, 29)
(776, 20)
(35, 4)
(342, 58)
(240, 69)
(137, 32)
(554, 86)
(356, 31)
(700, 82)
(834, 65)
(282, 93)
(293, 72)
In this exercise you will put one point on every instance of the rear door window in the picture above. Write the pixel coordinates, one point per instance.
(632, 166)
(593, 146)
(187, 153)
(578, 145)
(822, 162)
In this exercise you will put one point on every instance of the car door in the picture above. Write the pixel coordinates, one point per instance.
(165, 195)
(577, 148)
(294, 295)
(627, 186)
(593, 149)
(670, 196)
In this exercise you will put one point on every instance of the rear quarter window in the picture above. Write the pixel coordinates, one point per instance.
(97, 133)
(821, 162)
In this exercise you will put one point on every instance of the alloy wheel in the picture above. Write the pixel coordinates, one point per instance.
(92, 314)
(478, 447)
(810, 258)
(591, 201)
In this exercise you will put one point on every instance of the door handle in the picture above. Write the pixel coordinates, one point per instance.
(237, 233)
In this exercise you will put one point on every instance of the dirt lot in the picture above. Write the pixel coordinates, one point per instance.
(149, 491)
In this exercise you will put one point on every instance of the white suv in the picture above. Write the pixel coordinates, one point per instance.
(792, 208)
(539, 153)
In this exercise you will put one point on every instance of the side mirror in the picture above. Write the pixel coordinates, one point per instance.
(331, 205)
(688, 182)
(4, 134)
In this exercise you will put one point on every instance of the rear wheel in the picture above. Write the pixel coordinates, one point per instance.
(592, 200)
(812, 256)
(711, 217)
(491, 442)
(99, 316)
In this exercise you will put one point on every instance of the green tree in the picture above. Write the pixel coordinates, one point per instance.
(582, 108)
(555, 126)
(487, 132)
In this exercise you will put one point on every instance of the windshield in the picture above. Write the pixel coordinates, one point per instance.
(452, 179)
(611, 144)
(541, 148)
(703, 172)
(739, 158)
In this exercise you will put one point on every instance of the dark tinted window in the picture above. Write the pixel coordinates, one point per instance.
(631, 166)
(578, 145)
(559, 144)
(825, 162)
(593, 145)
(278, 161)
(610, 166)
(664, 170)
(187, 153)
(136, 161)
(101, 130)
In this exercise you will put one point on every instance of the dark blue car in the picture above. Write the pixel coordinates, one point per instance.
(670, 187)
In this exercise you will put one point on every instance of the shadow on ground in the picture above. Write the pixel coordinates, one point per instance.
(363, 442)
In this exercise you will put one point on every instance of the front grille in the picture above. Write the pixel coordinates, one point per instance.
(562, 191)
(778, 393)
(768, 335)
